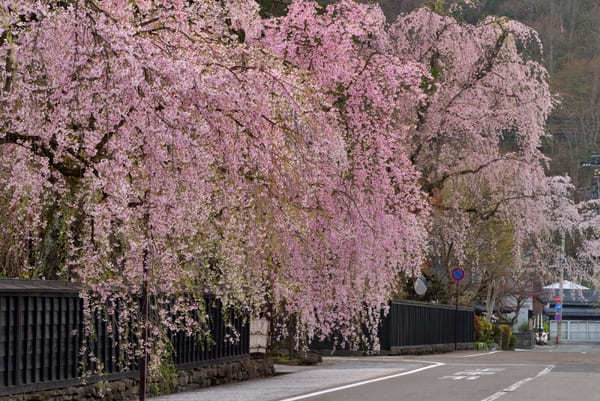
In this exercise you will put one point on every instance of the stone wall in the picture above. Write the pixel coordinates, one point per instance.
(428, 349)
(404, 350)
(127, 389)
(525, 340)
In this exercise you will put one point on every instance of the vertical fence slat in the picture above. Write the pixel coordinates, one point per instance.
(59, 339)
(9, 346)
(67, 334)
(51, 341)
(43, 339)
(4, 343)
(80, 329)
(35, 356)
(23, 337)
(26, 339)
(19, 344)
(74, 336)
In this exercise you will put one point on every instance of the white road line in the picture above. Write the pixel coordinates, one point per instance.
(487, 363)
(518, 384)
(480, 354)
(422, 361)
(331, 390)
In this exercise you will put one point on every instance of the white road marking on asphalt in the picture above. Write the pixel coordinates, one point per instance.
(420, 361)
(518, 384)
(473, 374)
(480, 354)
(331, 390)
(533, 365)
(452, 377)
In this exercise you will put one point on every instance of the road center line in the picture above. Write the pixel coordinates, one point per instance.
(361, 383)
(518, 384)
(480, 354)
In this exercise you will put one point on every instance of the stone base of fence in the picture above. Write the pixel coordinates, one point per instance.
(403, 350)
(525, 340)
(127, 389)
(428, 349)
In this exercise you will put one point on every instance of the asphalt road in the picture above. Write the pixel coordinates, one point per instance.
(550, 373)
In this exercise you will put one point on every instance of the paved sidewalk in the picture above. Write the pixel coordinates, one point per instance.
(570, 347)
(295, 380)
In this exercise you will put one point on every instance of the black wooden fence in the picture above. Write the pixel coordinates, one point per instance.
(41, 326)
(411, 323)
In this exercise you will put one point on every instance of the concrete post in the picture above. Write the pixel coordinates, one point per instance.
(587, 330)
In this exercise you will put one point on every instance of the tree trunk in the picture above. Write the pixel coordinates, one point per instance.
(490, 300)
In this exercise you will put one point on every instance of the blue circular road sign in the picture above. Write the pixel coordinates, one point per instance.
(457, 274)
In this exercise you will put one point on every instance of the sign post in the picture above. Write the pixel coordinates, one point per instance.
(558, 316)
(457, 274)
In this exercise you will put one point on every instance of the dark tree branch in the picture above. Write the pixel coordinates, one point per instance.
(487, 213)
(430, 186)
(35, 144)
(107, 137)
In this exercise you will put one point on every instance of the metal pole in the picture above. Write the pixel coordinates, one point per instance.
(456, 320)
(143, 364)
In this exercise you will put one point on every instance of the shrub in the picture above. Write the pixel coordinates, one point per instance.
(496, 335)
(505, 333)
(513, 342)
(483, 330)
(476, 328)
(481, 346)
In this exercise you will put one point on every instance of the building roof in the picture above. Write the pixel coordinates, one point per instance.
(574, 313)
(575, 297)
(567, 285)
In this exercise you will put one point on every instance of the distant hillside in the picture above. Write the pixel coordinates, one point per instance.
(570, 32)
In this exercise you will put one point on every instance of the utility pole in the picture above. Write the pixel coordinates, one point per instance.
(597, 175)
(561, 288)
(594, 162)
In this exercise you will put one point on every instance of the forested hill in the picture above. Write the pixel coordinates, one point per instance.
(570, 32)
